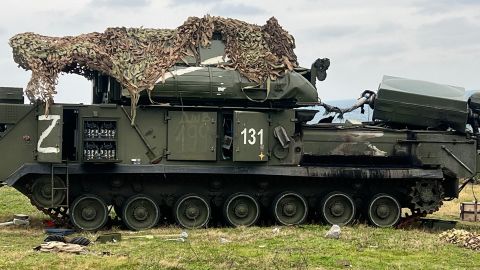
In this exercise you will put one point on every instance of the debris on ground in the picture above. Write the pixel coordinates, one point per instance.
(148, 236)
(55, 238)
(109, 237)
(176, 239)
(48, 223)
(18, 220)
(333, 232)
(344, 263)
(55, 246)
(437, 224)
(79, 240)
(184, 235)
(59, 231)
(115, 237)
(224, 240)
(276, 230)
(181, 238)
(462, 238)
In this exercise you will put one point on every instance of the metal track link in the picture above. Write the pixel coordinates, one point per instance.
(58, 214)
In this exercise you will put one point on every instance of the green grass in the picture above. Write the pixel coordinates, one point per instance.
(303, 247)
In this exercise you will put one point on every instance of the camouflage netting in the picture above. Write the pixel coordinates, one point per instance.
(138, 57)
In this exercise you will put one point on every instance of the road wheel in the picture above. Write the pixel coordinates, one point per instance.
(290, 208)
(140, 213)
(42, 191)
(192, 211)
(338, 208)
(89, 213)
(241, 210)
(384, 211)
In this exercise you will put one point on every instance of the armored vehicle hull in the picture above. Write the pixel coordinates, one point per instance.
(200, 165)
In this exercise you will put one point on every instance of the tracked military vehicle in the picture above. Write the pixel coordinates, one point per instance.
(209, 146)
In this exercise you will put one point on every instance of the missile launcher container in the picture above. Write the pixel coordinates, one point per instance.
(421, 104)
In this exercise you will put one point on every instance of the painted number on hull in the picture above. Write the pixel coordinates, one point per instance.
(46, 132)
(251, 135)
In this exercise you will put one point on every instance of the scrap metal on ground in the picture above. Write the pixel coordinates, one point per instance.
(19, 219)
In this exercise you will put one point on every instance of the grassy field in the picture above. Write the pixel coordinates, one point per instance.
(303, 247)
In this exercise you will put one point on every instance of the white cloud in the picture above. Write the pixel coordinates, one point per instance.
(228, 9)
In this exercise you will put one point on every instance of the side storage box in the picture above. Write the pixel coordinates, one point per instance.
(192, 135)
(422, 104)
(470, 211)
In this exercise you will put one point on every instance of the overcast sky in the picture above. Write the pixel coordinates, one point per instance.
(437, 40)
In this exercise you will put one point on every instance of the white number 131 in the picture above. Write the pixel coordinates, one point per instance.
(252, 136)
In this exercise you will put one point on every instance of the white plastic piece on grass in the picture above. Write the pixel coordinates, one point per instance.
(224, 240)
(334, 232)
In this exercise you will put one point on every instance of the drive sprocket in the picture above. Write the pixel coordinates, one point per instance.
(426, 197)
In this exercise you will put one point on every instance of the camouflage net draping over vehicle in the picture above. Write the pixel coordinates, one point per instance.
(138, 57)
